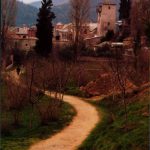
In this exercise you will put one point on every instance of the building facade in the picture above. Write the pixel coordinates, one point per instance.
(107, 17)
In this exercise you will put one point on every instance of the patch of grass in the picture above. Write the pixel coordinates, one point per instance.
(75, 91)
(22, 137)
(112, 134)
(3, 90)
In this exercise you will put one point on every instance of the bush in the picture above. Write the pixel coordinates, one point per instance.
(109, 35)
(67, 53)
(75, 91)
(87, 51)
(16, 101)
(50, 110)
(104, 51)
(147, 31)
(19, 57)
(5, 129)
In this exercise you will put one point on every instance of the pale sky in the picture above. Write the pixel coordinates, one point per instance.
(29, 1)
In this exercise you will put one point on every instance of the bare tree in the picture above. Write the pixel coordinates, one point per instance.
(8, 16)
(44, 75)
(79, 12)
(34, 95)
(119, 68)
(140, 16)
(140, 26)
(16, 100)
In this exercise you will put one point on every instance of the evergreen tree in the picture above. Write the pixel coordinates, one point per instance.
(44, 29)
(124, 11)
(128, 8)
(147, 31)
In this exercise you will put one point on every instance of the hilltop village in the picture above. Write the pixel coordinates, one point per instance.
(93, 33)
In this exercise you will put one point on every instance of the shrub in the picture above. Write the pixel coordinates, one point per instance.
(109, 35)
(16, 101)
(75, 91)
(49, 110)
(87, 51)
(5, 129)
(147, 31)
(19, 57)
(104, 51)
(67, 53)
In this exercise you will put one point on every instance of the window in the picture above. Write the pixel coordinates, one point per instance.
(24, 36)
(109, 7)
(108, 24)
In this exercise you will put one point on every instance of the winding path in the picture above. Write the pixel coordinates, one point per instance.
(73, 135)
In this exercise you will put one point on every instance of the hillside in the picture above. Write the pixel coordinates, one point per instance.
(55, 2)
(114, 132)
(27, 14)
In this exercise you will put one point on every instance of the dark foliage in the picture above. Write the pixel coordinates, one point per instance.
(104, 51)
(124, 11)
(66, 54)
(44, 29)
(87, 52)
(147, 31)
(19, 57)
(109, 35)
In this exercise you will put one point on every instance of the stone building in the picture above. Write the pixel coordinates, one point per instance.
(64, 31)
(22, 38)
(107, 17)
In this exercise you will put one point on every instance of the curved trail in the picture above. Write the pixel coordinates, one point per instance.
(73, 135)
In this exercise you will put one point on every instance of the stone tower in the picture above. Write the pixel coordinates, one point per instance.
(107, 17)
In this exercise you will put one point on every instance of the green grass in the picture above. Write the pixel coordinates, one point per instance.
(3, 90)
(112, 135)
(75, 91)
(22, 137)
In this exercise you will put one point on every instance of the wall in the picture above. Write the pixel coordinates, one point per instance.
(107, 19)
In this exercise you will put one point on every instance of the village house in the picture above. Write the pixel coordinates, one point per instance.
(22, 32)
(32, 31)
(64, 32)
(22, 38)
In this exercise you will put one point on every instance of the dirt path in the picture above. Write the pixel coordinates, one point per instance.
(73, 135)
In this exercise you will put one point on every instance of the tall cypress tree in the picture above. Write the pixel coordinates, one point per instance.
(44, 29)
(128, 9)
(124, 11)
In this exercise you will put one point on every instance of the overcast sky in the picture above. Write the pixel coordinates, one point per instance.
(29, 1)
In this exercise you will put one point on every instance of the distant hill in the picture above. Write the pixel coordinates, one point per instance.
(62, 11)
(55, 2)
(27, 14)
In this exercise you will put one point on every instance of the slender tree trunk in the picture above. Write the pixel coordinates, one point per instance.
(125, 106)
(30, 93)
(32, 114)
(16, 119)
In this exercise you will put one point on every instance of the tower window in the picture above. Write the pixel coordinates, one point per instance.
(109, 7)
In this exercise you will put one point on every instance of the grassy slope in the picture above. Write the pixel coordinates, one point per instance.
(111, 135)
(21, 138)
